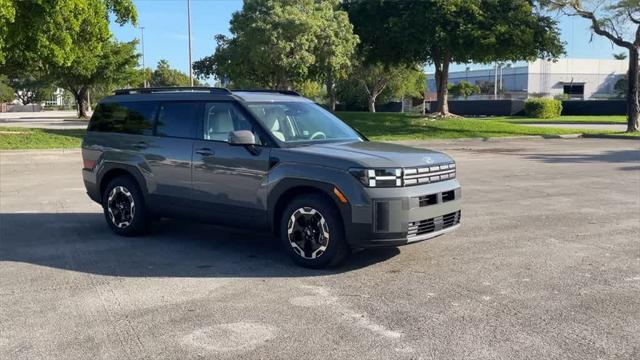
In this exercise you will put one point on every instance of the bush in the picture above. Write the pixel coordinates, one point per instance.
(543, 108)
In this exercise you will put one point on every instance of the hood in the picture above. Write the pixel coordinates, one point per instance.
(377, 154)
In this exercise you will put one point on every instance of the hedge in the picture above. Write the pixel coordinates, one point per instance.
(543, 108)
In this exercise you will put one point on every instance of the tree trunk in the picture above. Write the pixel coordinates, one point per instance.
(372, 103)
(331, 92)
(633, 103)
(442, 82)
(81, 103)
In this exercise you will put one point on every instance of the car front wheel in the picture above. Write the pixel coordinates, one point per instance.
(312, 232)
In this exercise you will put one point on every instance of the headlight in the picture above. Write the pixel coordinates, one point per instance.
(378, 177)
(392, 177)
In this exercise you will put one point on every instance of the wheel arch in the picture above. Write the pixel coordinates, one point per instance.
(289, 189)
(111, 171)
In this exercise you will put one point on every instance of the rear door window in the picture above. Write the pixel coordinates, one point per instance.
(127, 117)
(178, 119)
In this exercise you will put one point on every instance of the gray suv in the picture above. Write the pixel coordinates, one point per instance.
(263, 160)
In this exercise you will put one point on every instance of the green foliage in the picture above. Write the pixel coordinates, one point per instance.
(459, 31)
(114, 66)
(68, 42)
(60, 32)
(6, 91)
(7, 16)
(29, 89)
(164, 75)
(281, 44)
(311, 89)
(543, 108)
(376, 83)
(463, 89)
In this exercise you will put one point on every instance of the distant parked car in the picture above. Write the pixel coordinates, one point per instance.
(264, 160)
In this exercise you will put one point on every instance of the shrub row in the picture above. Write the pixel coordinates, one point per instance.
(543, 108)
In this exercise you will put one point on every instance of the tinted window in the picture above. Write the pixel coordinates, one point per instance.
(178, 119)
(128, 117)
(221, 118)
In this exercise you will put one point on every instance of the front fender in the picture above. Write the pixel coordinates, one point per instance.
(287, 176)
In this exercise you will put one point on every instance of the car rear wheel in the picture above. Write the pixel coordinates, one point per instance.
(124, 207)
(312, 232)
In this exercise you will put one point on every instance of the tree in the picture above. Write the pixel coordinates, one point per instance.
(164, 75)
(69, 42)
(6, 91)
(372, 80)
(29, 89)
(116, 67)
(281, 44)
(335, 49)
(444, 31)
(7, 16)
(463, 88)
(618, 21)
(620, 56)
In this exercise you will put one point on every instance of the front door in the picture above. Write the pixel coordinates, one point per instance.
(229, 180)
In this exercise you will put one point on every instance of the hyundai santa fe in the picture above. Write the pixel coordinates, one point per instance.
(263, 160)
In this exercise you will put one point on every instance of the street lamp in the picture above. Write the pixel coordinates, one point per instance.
(189, 27)
(144, 70)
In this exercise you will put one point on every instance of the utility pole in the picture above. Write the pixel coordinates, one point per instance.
(495, 83)
(144, 70)
(189, 26)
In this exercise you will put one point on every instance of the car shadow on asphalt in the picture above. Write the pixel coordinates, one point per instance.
(174, 248)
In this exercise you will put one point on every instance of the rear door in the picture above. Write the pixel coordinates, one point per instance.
(168, 154)
(229, 180)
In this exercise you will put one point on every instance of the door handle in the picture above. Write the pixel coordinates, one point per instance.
(140, 145)
(205, 152)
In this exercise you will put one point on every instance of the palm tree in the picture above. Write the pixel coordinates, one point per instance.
(620, 56)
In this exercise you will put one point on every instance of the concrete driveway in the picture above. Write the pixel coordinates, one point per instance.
(545, 266)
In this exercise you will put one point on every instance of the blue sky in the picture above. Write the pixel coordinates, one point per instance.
(165, 33)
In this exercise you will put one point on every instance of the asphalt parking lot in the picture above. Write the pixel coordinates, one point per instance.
(545, 265)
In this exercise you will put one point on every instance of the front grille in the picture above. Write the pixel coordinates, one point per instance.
(436, 224)
(428, 174)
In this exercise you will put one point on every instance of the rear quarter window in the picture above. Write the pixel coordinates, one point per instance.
(127, 117)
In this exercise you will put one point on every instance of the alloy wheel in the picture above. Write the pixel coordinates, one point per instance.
(121, 207)
(308, 233)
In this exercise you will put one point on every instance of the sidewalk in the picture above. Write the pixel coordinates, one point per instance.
(43, 119)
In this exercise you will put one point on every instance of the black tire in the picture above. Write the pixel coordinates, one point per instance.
(336, 248)
(139, 220)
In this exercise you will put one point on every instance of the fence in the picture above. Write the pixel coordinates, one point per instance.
(594, 107)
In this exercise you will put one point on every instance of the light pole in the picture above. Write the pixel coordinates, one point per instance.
(495, 83)
(189, 27)
(144, 70)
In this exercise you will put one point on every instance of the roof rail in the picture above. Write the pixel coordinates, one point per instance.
(284, 92)
(212, 90)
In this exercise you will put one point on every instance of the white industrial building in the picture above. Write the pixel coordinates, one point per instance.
(584, 79)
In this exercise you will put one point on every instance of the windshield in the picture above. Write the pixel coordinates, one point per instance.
(297, 122)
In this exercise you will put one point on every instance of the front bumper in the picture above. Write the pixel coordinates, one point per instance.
(400, 216)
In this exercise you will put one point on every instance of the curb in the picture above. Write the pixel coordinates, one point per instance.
(612, 136)
(52, 151)
(493, 139)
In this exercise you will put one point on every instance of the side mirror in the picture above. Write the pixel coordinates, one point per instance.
(242, 137)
